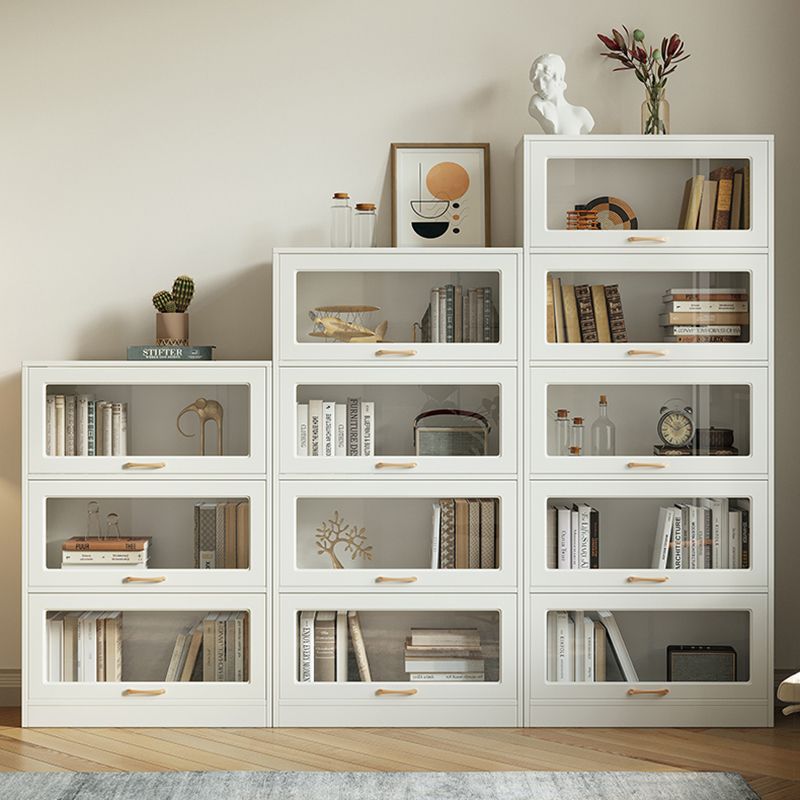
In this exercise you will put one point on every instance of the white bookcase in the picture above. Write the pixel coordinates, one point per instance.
(153, 489)
(730, 384)
(391, 493)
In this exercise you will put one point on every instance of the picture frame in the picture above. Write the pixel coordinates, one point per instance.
(440, 195)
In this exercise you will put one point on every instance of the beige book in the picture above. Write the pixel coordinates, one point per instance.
(599, 652)
(705, 220)
(462, 533)
(210, 647)
(736, 201)
(550, 312)
(571, 320)
(488, 533)
(325, 646)
(601, 313)
(178, 654)
(100, 639)
(243, 535)
(558, 310)
(745, 173)
(357, 638)
(690, 209)
(474, 524)
(60, 425)
(192, 653)
(230, 535)
(114, 646)
(70, 668)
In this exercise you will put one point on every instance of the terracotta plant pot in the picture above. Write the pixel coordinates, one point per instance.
(172, 328)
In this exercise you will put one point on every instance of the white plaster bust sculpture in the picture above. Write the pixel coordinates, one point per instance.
(548, 105)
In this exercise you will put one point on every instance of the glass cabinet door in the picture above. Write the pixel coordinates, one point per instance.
(386, 306)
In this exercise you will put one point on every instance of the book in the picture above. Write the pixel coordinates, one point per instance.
(488, 533)
(737, 199)
(704, 330)
(440, 651)
(149, 352)
(359, 648)
(666, 517)
(458, 307)
(697, 293)
(70, 647)
(50, 425)
(99, 543)
(600, 638)
(552, 538)
(705, 541)
(586, 320)
(340, 429)
(178, 658)
(616, 317)
(342, 649)
(113, 641)
(447, 544)
(435, 535)
(690, 208)
(705, 219)
(565, 647)
(220, 654)
(302, 429)
(474, 315)
(745, 213)
(594, 539)
(701, 339)
(488, 315)
(479, 314)
(205, 521)
(550, 313)
(210, 646)
(578, 652)
(55, 647)
(82, 425)
(443, 314)
(101, 647)
(219, 536)
(99, 444)
(446, 637)
(367, 420)
(564, 521)
(574, 546)
(87, 635)
(306, 646)
(434, 306)
(722, 209)
(588, 648)
(242, 535)
(325, 646)
(108, 429)
(734, 539)
(315, 427)
(584, 536)
(708, 318)
(230, 535)
(69, 425)
(60, 423)
(745, 537)
(446, 676)
(328, 443)
(192, 651)
(720, 538)
(618, 647)
(421, 664)
(353, 427)
(558, 310)
(474, 534)
(116, 430)
(679, 526)
(104, 557)
(571, 320)
(707, 306)
(462, 533)
(240, 626)
(601, 313)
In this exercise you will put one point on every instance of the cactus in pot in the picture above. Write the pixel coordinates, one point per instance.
(182, 292)
(163, 302)
(172, 321)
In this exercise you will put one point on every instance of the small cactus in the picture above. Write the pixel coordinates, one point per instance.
(163, 302)
(182, 292)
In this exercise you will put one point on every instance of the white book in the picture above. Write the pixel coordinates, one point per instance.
(50, 425)
(328, 446)
(315, 427)
(82, 425)
(720, 542)
(104, 557)
(342, 645)
(306, 639)
(666, 517)
(678, 522)
(565, 647)
(340, 429)
(116, 428)
(55, 647)
(60, 432)
(707, 306)
(735, 539)
(436, 534)
(584, 535)
(574, 545)
(588, 648)
(695, 534)
(123, 430)
(108, 428)
(564, 541)
(618, 646)
(437, 664)
(580, 640)
(552, 648)
(302, 429)
(705, 541)
(69, 425)
(367, 419)
(552, 537)
(238, 646)
(88, 642)
(462, 677)
(434, 315)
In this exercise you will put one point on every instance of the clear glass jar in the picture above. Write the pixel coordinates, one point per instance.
(604, 432)
(341, 220)
(576, 437)
(655, 111)
(562, 432)
(364, 225)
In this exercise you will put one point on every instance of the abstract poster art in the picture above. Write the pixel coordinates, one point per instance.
(440, 195)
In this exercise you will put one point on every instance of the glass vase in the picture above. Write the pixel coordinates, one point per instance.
(655, 111)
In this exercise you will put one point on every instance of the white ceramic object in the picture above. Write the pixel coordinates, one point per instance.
(548, 105)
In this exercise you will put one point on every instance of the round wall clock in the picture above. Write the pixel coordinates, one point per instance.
(613, 213)
(676, 424)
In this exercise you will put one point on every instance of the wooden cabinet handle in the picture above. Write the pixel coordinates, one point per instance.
(657, 692)
(399, 692)
(403, 353)
(645, 465)
(387, 465)
(384, 579)
(655, 239)
(137, 579)
(144, 465)
(143, 692)
(657, 353)
(641, 579)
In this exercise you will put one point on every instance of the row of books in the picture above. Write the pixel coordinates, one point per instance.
(464, 533)
(584, 313)
(712, 534)
(578, 646)
(574, 532)
(222, 535)
(324, 647)
(704, 315)
(216, 649)
(457, 314)
(131, 552)
(84, 646)
(79, 425)
(325, 428)
(444, 654)
(719, 202)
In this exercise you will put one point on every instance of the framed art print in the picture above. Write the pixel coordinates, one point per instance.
(440, 195)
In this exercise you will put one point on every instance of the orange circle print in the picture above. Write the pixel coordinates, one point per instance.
(447, 180)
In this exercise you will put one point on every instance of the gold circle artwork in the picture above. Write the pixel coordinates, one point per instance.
(447, 180)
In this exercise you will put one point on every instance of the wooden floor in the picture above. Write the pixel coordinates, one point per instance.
(768, 758)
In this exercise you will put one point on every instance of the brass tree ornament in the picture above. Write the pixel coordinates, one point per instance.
(337, 531)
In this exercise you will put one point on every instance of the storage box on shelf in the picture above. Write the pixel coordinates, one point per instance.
(440, 330)
(173, 538)
(690, 447)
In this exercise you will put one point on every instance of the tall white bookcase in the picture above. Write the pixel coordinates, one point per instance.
(730, 385)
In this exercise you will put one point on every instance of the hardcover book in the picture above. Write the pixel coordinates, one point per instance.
(148, 352)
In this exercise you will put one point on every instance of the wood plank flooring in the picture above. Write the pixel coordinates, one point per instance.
(768, 758)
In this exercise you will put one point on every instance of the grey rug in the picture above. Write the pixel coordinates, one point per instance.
(374, 786)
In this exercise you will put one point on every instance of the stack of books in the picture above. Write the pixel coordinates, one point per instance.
(578, 643)
(84, 646)
(324, 647)
(711, 534)
(79, 425)
(222, 535)
(574, 536)
(325, 428)
(705, 315)
(464, 533)
(584, 313)
(124, 551)
(216, 649)
(457, 314)
(447, 654)
(719, 202)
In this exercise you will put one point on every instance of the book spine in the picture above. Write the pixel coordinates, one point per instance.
(238, 672)
(600, 313)
(91, 428)
(230, 647)
(480, 324)
(219, 646)
(586, 320)
(465, 316)
(315, 427)
(325, 649)
(487, 314)
(462, 677)
(435, 315)
(50, 425)
(153, 353)
(81, 425)
(677, 539)
(353, 427)
(328, 429)
(443, 314)
(69, 425)
(584, 537)
(707, 306)
(616, 317)
(594, 539)
(209, 647)
(360, 651)
(450, 312)
(473, 315)
(745, 538)
(564, 538)
(340, 429)
(306, 655)
(107, 430)
(447, 544)
(302, 429)
(60, 430)
(367, 428)
(116, 428)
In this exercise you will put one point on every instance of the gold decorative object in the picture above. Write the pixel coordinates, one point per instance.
(337, 531)
(206, 410)
(346, 324)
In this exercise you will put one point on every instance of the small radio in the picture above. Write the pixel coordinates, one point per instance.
(701, 662)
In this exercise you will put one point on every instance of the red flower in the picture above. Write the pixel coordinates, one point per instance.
(674, 44)
(609, 43)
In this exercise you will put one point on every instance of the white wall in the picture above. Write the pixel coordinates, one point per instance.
(139, 140)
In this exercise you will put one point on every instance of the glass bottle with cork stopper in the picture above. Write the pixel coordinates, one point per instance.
(604, 433)
(576, 437)
(341, 220)
(562, 432)
(364, 225)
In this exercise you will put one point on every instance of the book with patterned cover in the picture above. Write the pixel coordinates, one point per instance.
(448, 533)
(722, 211)
(474, 515)
(616, 319)
(601, 313)
(206, 536)
(488, 316)
(219, 536)
(488, 534)
(588, 325)
(462, 533)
